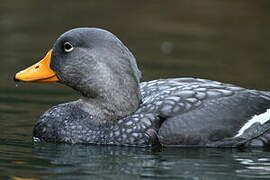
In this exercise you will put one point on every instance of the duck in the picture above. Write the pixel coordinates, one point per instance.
(115, 108)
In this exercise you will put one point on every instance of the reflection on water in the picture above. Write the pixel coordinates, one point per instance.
(62, 161)
(221, 40)
(254, 166)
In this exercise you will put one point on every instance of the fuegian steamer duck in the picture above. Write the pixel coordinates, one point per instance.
(115, 108)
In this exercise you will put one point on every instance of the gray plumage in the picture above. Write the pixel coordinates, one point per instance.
(115, 108)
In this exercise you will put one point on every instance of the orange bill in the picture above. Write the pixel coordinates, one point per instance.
(39, 72)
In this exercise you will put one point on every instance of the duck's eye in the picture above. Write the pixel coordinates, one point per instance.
(68, 47)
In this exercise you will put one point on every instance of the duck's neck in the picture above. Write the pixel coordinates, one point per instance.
(112, 102)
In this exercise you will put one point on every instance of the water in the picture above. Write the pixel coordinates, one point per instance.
(221, 40)
(60, 161)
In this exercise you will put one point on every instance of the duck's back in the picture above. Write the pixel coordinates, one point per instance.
(189, 111)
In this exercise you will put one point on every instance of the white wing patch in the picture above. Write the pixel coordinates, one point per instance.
(261, 118)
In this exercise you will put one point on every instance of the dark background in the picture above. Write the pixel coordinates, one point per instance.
(222, 40)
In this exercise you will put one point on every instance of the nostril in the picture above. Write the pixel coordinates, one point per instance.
(36, 67)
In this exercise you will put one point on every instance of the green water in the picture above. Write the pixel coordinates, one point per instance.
(221, 40)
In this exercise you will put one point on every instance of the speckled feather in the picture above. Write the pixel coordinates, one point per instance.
(115, 108)
(161, 100)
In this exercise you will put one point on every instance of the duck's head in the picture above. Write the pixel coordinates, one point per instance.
(84, 56)
(92, 61)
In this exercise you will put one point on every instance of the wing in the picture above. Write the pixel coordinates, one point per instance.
(209, 113)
